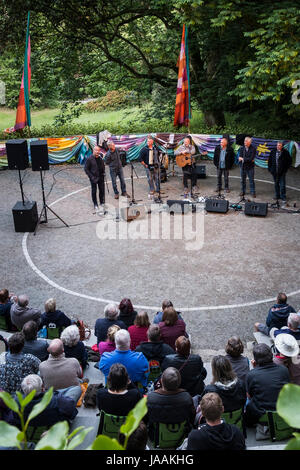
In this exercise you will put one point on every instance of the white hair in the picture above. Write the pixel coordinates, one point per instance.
(293, 320)
(32, 382)
(111, 311)
(23, 300)
(122, 340)
(70, 336)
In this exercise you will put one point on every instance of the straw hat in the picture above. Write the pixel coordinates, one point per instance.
(287, 345)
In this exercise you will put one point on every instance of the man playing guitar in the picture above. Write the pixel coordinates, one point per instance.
(184, 158)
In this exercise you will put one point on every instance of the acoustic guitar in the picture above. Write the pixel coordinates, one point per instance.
(184, 159)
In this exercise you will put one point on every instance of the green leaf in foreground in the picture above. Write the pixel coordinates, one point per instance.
(9, 435)
(134, 417)
(288, 405)
(105, 443)
(55, 438)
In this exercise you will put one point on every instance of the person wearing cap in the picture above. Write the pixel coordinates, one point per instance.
(149, 158)
(278, 164)
(288, 355)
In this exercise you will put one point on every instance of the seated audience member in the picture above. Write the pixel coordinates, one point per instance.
(263, 383)
(170, 404)
(111, 313)
(137, 440)
(240, 364)
(138, 331)
(34, 346)
(109, 345)
(136, 364)
(277, 316)
(17, 365)
(54, 318)
(117, 399)
(73, 347)
(288, 355)
(215, 434)
(58, 371)
(190, 366)
(5, 306)
(62, 406)
(165, 304)
(171, 327)
(20, 312)
(226, 384)
(127, 313)
(293, 325)
(154, 349)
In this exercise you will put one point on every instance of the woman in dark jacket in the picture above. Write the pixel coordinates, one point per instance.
(127, 313)
(171, 327)
(73, 347)
(189, 365)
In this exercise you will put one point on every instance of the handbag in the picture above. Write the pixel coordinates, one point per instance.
(84, 331)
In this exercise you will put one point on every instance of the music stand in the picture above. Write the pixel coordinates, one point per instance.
(45, 207)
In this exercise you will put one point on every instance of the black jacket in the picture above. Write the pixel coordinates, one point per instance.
(233, 395)
(170, 407)
(192, 373)
(92, 170)
(221, 437)
(229, 157)
(284, 162)
(157, 351)
(127, 318)
(144, 156)
(248, 156)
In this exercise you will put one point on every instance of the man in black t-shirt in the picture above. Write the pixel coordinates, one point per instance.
(95, 169)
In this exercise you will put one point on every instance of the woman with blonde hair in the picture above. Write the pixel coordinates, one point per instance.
(109, 345)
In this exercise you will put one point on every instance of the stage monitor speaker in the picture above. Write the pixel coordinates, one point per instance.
(239, 139)
(179, 206)
(39, 155)
(17, 154)
(217, 205)
(132, 212)
(256, 208)
(201, 171)
(25, 216)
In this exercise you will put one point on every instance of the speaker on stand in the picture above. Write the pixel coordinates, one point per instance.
(40, 162)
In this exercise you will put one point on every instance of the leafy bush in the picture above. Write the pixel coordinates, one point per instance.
(114, 99)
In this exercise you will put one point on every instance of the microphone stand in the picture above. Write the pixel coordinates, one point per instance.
(133, 201)
(158, 200)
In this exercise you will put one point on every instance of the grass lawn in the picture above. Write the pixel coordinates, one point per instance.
(46, 116)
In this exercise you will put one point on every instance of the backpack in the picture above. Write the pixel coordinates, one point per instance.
(89, 400)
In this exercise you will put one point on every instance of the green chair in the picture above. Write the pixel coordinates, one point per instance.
(109, 425)
(34, 433)
(235, 417)
(53, 333)
(169, 436)
(278, 428)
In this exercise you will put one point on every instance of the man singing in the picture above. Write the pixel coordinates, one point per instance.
(149, 158)
(278, 165)
(189, 170)
(95, 169)
(113, 159)
(223, 161)
(246, 161)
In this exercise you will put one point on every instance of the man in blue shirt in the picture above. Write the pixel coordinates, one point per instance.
(136, 364)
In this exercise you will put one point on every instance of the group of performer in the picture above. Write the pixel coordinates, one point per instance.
(278, 164)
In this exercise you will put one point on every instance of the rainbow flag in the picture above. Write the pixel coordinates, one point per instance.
(23, 118)
(182, 106)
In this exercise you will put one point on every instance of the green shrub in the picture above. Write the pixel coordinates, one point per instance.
(114, 99)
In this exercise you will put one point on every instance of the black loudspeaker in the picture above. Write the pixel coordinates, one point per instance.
(39, 155)
(201, 171)
(17, 154)
(256, 208)
(217, 205)
(239, 139)
(179, 207)
(25, 216)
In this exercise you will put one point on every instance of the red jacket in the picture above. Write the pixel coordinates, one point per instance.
(138, 334)
(169, 334)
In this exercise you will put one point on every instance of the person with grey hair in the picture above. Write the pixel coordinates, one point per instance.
(246, 160)
(73, 347)
(293, 328)
(278, 164)
(111, 313)
(135, 362)
(20, 312)
(54, 318)
(113, 160)
(154, 349)
(62, 406)
(170, 403)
